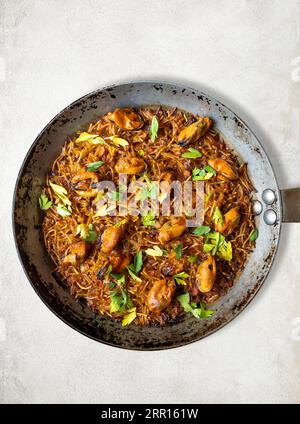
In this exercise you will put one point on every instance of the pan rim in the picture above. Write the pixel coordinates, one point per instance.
(23, 167)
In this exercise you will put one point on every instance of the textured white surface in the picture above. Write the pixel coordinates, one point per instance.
(246, 54)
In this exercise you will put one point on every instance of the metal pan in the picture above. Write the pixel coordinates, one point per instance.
(27, 217)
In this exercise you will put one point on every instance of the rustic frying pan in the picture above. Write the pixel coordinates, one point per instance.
(275, 205)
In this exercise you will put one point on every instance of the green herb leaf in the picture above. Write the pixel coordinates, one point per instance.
(225, 251)
(200, 231)
(198, 312)
(44, 202)
(133, 275)
(62, 210)
(215, 243)
(192, 259)
(179, 278)
(153, 128)
(203, 174)
(92, 236)
(138, 262)
(155, 251)
(218, 217)
(141, 152)
(192, 154)
(93, 166)
(129, 317)
(211, 170)
(120, 278)
(148, 220)
(108, 271)
(254, 235)
(184, 300)
(117, 141)
(61, 193)
(178, 251)
(85, 136)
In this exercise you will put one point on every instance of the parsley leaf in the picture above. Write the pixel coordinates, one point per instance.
(198, 311)
(44, 202)
(153, 128)
(215, 243)
(87, 233)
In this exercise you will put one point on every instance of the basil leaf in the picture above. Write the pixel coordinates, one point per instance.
(93, 166)
(203, 229)
(153, 128)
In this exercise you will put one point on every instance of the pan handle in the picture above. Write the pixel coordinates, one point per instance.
(290, 204)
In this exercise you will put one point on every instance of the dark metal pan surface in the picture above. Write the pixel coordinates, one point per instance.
(27, 216)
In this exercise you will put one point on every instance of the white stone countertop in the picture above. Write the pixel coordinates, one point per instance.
(244, 52)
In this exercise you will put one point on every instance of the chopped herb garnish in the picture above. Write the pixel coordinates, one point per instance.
(155, 251)
(218, 217)
(117, 141)
(215, 243)
(200, 231)
(44, 202)
(198, 311)
(192, 153)
(254, 235)
(133, 275)
(203, 174)
(91, 138)
(87, 232)
(62, 210)
(61, 193)
(178, 251)
(120, 301)
(153, 128)
(148, 220)
(180, 278)
(108, 271)
(120, 278)
(129, 317)
(93, 166)
(192, 259)
(141, 153)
